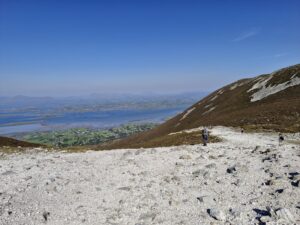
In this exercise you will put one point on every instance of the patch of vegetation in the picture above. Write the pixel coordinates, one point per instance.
(10, 142)
(85, 136)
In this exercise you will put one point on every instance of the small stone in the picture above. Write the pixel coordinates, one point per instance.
(273, 182)
(125, 188)
(46, 215)
(293, 175)
(279, 191)
(217, 214)
(266, 159)
(295, 183)
(262, 212)
(231, 169)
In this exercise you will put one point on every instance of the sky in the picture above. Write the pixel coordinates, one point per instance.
(79, 47)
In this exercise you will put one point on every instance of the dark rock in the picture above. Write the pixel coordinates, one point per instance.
(295, 183)
(293, 175)
(46, 215)
(279, 191)
(268, 182)
(201, 199)
(266, 151)
(231, 169)
(262, 212)
(266, 159)
(255, 149)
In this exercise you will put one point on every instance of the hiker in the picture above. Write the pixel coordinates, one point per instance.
(280, 138)
(242, 130)
(205, 136)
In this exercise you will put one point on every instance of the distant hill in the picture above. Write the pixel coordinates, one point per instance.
(10, 142)
(100, 98)
(96, 102)
(269, 101)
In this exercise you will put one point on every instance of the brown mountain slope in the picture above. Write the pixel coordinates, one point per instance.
(10, 142)
(269, 101)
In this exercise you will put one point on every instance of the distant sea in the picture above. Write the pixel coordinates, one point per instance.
(20, 122)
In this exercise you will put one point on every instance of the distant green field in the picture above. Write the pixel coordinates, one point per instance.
(85, 136)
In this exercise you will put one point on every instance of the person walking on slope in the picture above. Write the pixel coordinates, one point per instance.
(280, 138)
(205, 136)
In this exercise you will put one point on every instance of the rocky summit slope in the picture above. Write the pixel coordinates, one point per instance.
(269, 101)
(246, 179)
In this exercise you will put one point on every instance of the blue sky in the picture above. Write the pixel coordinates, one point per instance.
(81, 47)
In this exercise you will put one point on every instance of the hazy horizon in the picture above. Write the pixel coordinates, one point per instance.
(75, 48)
(110, 94)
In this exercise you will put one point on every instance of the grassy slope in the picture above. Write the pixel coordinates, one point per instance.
(160, 141)
(10, 142)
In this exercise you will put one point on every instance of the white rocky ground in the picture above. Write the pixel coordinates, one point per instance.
(247, 179)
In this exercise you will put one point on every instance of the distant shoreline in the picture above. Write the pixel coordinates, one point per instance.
(92, 120)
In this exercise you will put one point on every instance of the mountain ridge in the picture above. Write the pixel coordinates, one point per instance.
(267, 102)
